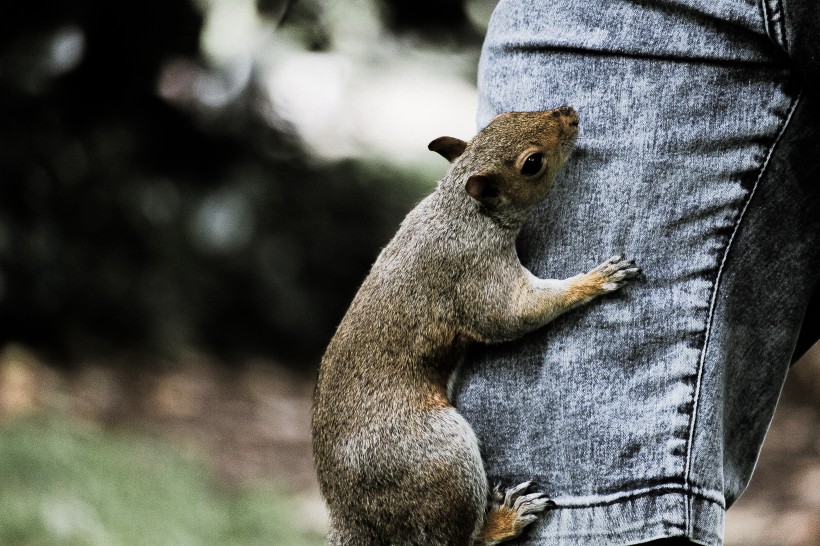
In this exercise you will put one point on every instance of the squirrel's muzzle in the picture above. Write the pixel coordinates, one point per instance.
(568, 123)
(567, 114)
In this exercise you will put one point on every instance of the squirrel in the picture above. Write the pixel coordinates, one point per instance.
(397, 464)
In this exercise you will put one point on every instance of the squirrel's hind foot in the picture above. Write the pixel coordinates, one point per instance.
(511, 511)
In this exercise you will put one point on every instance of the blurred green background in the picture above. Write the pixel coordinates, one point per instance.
(214, 173)
(190, 193)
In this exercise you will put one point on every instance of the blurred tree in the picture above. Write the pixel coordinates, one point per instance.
(81, 122)
(432, 19)
(128, 222)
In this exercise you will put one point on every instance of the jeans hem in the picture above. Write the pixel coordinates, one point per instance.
(636, 519)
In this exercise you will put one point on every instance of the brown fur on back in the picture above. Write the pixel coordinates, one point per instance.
(396, 463)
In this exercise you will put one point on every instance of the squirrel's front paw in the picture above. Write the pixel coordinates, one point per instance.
(511, 511)
(615, 272)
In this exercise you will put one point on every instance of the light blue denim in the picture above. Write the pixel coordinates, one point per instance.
(642, 414)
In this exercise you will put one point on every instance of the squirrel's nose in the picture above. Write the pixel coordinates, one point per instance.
(570, 114)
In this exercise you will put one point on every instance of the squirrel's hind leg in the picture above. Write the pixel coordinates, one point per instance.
(510, 512)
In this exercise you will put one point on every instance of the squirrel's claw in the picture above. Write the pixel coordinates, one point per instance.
(615, 272)
(511, 511)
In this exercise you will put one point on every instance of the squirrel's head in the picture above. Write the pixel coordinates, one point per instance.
(510, 165)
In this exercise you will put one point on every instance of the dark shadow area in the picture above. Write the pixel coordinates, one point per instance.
(138, 212)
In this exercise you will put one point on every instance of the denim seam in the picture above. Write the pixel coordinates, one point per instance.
(590, 51)
(654, 491)
(772, 13)
(712, 304)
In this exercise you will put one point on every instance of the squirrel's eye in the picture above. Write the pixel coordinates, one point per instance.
(532, 165)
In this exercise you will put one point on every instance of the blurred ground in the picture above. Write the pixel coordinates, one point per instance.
(252, 425)
(781, 506)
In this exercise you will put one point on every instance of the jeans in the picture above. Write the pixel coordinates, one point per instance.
(642, 413)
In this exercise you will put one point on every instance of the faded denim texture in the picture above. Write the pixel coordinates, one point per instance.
(642, 414)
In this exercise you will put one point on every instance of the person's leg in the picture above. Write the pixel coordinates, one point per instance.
(642, 414)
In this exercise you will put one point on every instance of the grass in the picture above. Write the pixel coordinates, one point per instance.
(65, 484)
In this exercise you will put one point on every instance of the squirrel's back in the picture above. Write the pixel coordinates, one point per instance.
(397, 463)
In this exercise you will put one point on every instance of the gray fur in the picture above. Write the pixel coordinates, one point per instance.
(396, 462)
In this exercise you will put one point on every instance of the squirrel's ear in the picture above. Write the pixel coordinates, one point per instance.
(485, 189)
(449, 147)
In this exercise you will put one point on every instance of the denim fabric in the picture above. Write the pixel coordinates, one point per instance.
(642, 414)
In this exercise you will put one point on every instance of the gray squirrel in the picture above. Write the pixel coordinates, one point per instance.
(397, 464)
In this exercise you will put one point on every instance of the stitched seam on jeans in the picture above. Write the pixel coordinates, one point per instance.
(773, 22)
(782, 22)
(764, 15)
(655, 491)
(715, 288)
(589, 51)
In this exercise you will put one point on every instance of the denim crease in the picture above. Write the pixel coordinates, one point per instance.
(642, 414)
